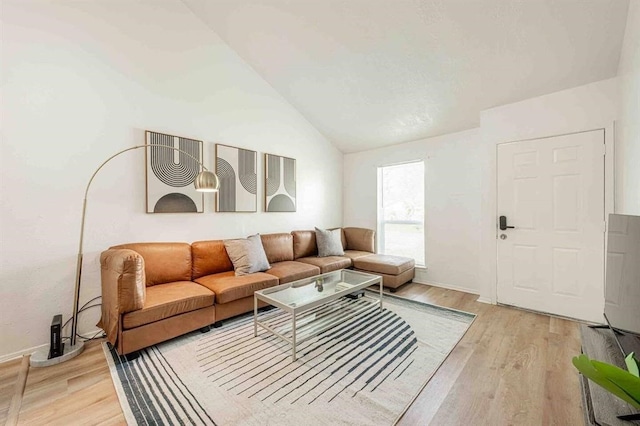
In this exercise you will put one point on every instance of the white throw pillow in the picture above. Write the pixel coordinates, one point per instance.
(247, 255)
(329, 242)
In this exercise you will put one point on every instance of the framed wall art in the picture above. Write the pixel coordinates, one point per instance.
(237, 169)
(280, 183)
(170, 174)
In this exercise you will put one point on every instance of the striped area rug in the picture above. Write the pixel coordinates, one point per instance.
(366, 368)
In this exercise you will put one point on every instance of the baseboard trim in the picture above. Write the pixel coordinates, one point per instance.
(563, 317)
(29, 351)
(420, 275)
(19, 354)
(483, 299)
(419, 280)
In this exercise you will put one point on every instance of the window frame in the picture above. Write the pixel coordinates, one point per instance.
(381, 222)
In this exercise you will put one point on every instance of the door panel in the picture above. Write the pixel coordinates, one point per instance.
(566, 203)
(524, 267)
(566, 261)
(524, 200)
(552, 191)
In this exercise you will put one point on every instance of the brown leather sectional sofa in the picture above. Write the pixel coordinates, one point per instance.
(152, 292)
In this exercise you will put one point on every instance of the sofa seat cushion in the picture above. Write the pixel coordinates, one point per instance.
(384, 264)
(167, 300)
(289, 271)
(354, 254)
(327, 264)
(392, 281)
(229, 287)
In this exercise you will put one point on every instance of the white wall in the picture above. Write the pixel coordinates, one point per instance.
(587, 107)
(454, 165)
(628, 125)
(83, 80)
(460, 183)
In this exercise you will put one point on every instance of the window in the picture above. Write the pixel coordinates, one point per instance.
(401, 210)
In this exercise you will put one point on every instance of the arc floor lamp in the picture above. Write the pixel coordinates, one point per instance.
(205, 181)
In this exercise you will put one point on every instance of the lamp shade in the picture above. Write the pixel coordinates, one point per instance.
(207, 181)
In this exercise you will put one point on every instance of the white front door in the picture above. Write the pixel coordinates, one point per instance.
(552, 191)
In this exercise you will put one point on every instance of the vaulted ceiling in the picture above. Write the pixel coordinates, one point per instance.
(370, 73)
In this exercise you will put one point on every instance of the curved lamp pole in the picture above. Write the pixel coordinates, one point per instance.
(205, 181)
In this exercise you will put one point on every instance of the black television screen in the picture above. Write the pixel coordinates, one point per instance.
(622, 284)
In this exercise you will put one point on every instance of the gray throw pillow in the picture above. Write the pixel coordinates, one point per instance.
(247, 255)
(329, 242)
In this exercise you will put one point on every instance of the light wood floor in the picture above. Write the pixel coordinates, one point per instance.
(511, 368)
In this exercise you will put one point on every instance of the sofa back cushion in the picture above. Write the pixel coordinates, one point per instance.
(343, 238)
(163, 262)
(304, 244)
(361, 239)
(278, 247)
(209, 257)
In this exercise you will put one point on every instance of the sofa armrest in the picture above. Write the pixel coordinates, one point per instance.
(361, 239)
(123, 287)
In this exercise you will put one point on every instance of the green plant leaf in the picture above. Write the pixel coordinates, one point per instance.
(585, 366)
(626, 381)
(632, 364)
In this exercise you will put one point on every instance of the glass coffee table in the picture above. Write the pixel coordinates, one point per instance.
(305, 295)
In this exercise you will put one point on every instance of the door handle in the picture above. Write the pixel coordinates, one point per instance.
(503, 224)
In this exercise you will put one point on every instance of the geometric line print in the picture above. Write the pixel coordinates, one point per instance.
(227, 193)
(163, 162)
(247, 173)
(273, 174)
(369, 348)
(290, 176)
(175, 203)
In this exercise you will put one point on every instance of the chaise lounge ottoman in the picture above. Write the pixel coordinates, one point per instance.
(394, 270)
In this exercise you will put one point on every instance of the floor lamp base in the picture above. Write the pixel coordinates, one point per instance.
(40, 357)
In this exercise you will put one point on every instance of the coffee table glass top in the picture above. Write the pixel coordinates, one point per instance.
(301, 297)
(301, 293)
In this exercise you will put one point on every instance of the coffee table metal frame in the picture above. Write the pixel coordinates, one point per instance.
(263, 295)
